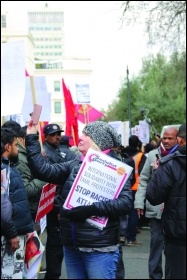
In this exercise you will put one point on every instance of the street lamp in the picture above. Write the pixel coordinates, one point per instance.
(129, 101)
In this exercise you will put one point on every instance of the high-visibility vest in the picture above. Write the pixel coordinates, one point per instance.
(137, 158)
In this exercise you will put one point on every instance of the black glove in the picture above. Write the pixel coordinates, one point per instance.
(81, 213)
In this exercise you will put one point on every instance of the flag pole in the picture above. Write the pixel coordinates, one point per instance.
(84, 106)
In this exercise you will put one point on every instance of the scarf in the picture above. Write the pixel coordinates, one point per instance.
(164, 152)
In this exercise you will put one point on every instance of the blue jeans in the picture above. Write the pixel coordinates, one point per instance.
(93, 265)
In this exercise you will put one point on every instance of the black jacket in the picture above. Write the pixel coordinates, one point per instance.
(80, 234)
(21, 216)
(55, 155)
(168, 186)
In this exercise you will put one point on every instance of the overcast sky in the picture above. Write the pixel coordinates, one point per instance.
(94, 31)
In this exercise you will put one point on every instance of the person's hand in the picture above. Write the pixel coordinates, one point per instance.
(14, 243)
(80, 213)
(155, 164)
(31, 128)
(139, 212)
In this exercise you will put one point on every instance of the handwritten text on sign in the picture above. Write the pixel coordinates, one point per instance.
(100, 178)
(46, 201)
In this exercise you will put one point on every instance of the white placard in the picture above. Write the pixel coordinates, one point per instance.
(144, 132)
(83, 93)
(119, 127)
(42, 98)
(12, 77)
(100, 178)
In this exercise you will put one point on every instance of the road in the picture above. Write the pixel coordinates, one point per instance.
(135, 258)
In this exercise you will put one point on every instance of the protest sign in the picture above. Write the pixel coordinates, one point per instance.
(100, 178)
(33, 255)
(46, 201)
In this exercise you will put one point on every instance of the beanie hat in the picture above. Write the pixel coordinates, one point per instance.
(103, 134)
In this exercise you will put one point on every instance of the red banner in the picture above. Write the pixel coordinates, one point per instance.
(46, 201)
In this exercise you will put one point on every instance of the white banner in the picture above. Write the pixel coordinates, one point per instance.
(12, 77)
(100, 178)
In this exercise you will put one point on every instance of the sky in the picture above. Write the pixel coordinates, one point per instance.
(93, 30)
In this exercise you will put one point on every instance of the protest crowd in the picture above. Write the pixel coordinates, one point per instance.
(92, 199)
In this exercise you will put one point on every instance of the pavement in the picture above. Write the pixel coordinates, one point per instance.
(135, 258)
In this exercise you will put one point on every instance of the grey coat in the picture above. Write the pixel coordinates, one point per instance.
(145, 176)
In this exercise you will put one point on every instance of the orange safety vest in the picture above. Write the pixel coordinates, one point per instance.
(137, 158)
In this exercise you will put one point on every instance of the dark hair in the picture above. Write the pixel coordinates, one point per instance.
(13, 125)
(7, 136)
(148, 147)
(2, 148)
(182, 131)
(23, 132)
(134, 141)
(35, 240)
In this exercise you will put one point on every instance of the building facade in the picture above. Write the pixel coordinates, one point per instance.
(43, 33)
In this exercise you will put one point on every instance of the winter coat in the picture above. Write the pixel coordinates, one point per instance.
(145, 176)
(21, 215)
(66, 153)
(80, 234)
(168, 186)
(32, 185)
(55, 155)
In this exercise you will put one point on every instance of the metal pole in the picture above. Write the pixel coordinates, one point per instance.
(129, 101)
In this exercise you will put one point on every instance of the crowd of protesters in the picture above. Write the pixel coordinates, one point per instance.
(155, 188)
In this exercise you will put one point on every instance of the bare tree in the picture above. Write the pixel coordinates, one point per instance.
(165, 21)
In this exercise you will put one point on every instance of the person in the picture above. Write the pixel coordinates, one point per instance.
(131, 224)
(32, 185)
(21, 217)
(55, 153)
(64, 148)
(168, 186)
(32, 249)
(88, 251)
(167, 146)
(21, 210)
(13, 125)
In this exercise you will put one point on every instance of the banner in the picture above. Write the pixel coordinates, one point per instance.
(12, 77)
(87, 113)
(100, 178)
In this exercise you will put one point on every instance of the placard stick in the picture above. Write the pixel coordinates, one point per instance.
(34, 99)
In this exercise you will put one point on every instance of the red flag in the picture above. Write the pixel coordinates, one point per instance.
(41, 126)
(71, 117)
(86, 113)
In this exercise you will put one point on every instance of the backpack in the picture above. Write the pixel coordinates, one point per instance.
(129, 160)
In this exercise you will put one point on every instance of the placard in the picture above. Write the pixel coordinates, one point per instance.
(100, 178)
(46, 201)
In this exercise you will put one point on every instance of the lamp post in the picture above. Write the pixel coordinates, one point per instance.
(129, 104)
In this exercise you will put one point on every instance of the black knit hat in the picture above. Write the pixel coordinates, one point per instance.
(103, 134)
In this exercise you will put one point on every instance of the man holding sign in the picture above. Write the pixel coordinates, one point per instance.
(96, 193)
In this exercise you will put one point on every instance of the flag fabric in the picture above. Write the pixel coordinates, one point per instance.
(71, 116)
(87, 113)
(41, 126)
(26, 73)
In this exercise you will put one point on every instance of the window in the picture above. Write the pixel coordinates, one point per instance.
(3, 21)
(57, 107)
(56, 85)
